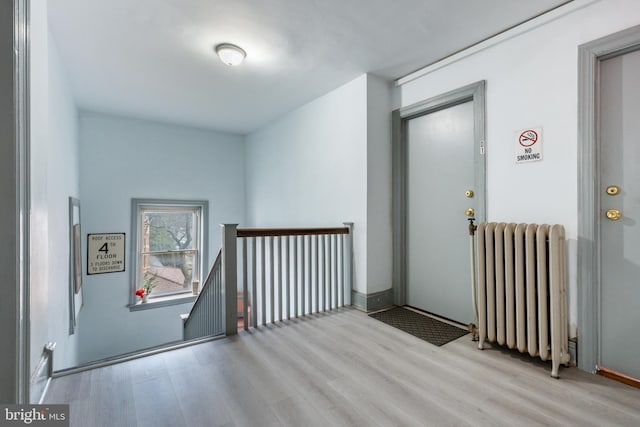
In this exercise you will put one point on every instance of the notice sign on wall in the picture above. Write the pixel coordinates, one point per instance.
(105, 253)
(529, 145)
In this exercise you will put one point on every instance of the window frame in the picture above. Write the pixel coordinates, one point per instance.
(137, 207)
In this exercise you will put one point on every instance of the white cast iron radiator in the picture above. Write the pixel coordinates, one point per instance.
(522, 289)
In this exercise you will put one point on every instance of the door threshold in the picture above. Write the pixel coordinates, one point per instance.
(437, 317)
(617, 376)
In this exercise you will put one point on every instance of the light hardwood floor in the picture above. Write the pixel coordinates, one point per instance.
(341, 369)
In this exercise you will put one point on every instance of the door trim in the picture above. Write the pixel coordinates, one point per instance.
(14, 119)
(474, 92)
(589, 269)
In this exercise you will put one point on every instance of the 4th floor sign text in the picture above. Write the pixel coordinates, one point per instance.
(105, 253)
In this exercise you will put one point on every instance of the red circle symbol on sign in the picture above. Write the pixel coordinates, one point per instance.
(528, 138)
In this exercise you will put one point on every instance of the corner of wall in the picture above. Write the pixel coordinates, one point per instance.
(39, 182)
(379, 221)
(372, 301)
(63, 166)
(308, 167)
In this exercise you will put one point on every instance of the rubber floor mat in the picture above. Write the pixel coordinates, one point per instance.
(421, 326)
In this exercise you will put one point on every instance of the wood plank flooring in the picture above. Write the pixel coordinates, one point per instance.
(341, 369)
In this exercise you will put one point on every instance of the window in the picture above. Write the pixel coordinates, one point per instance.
(169, 248)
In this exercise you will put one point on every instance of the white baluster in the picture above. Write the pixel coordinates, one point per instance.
(254, 287)
(263, 273)
(245, 294)
(287, 277)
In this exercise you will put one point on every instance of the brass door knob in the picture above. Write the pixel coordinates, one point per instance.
(614, 214)
(470, 212)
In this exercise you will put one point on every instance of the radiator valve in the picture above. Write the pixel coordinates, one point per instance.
(473, 329)
(472, 226)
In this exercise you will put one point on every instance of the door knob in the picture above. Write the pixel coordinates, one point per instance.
(614, 214)
(470, 212)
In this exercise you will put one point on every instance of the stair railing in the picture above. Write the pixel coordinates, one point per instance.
(206, 316)
(284, 273)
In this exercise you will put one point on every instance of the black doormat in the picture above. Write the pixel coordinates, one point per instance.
(421, 326)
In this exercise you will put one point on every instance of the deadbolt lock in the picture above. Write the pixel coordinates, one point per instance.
(470, 212)
(614, 214)
(469, 193)
(613, 190)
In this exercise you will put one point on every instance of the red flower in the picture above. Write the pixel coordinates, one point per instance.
(140, 292)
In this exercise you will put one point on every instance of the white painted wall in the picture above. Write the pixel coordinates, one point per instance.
(39, 148)
(63, 166)
(309, 168)
(326, 163)
(532, 81)
(379, 225)
(54, 177)
(121, 159)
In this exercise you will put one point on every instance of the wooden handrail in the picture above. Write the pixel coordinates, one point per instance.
(263, 232)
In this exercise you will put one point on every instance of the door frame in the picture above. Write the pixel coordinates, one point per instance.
(590, 55)
(14, 185)
(474, 92)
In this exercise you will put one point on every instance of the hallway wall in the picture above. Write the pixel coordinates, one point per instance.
(124, 158)
(39, 183)
(329, 162)
(63, 178)
(309, 168)
(54, 178)
(532, 82)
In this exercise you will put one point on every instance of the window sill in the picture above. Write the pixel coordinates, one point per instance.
(163, 302)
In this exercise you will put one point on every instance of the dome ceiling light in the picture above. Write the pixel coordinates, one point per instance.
(230, 54)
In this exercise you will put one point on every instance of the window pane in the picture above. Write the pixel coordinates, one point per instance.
(168, 231)
(172, 272)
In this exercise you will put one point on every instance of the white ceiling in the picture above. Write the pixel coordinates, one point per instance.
(154, 59)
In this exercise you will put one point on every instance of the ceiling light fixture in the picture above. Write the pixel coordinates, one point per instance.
(230, 54)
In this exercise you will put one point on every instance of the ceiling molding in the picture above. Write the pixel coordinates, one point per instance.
(515, 31)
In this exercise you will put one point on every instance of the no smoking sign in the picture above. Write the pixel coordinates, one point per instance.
(529, 145)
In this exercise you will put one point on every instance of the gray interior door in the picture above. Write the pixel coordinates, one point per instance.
(440, 170)
(620, 213)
